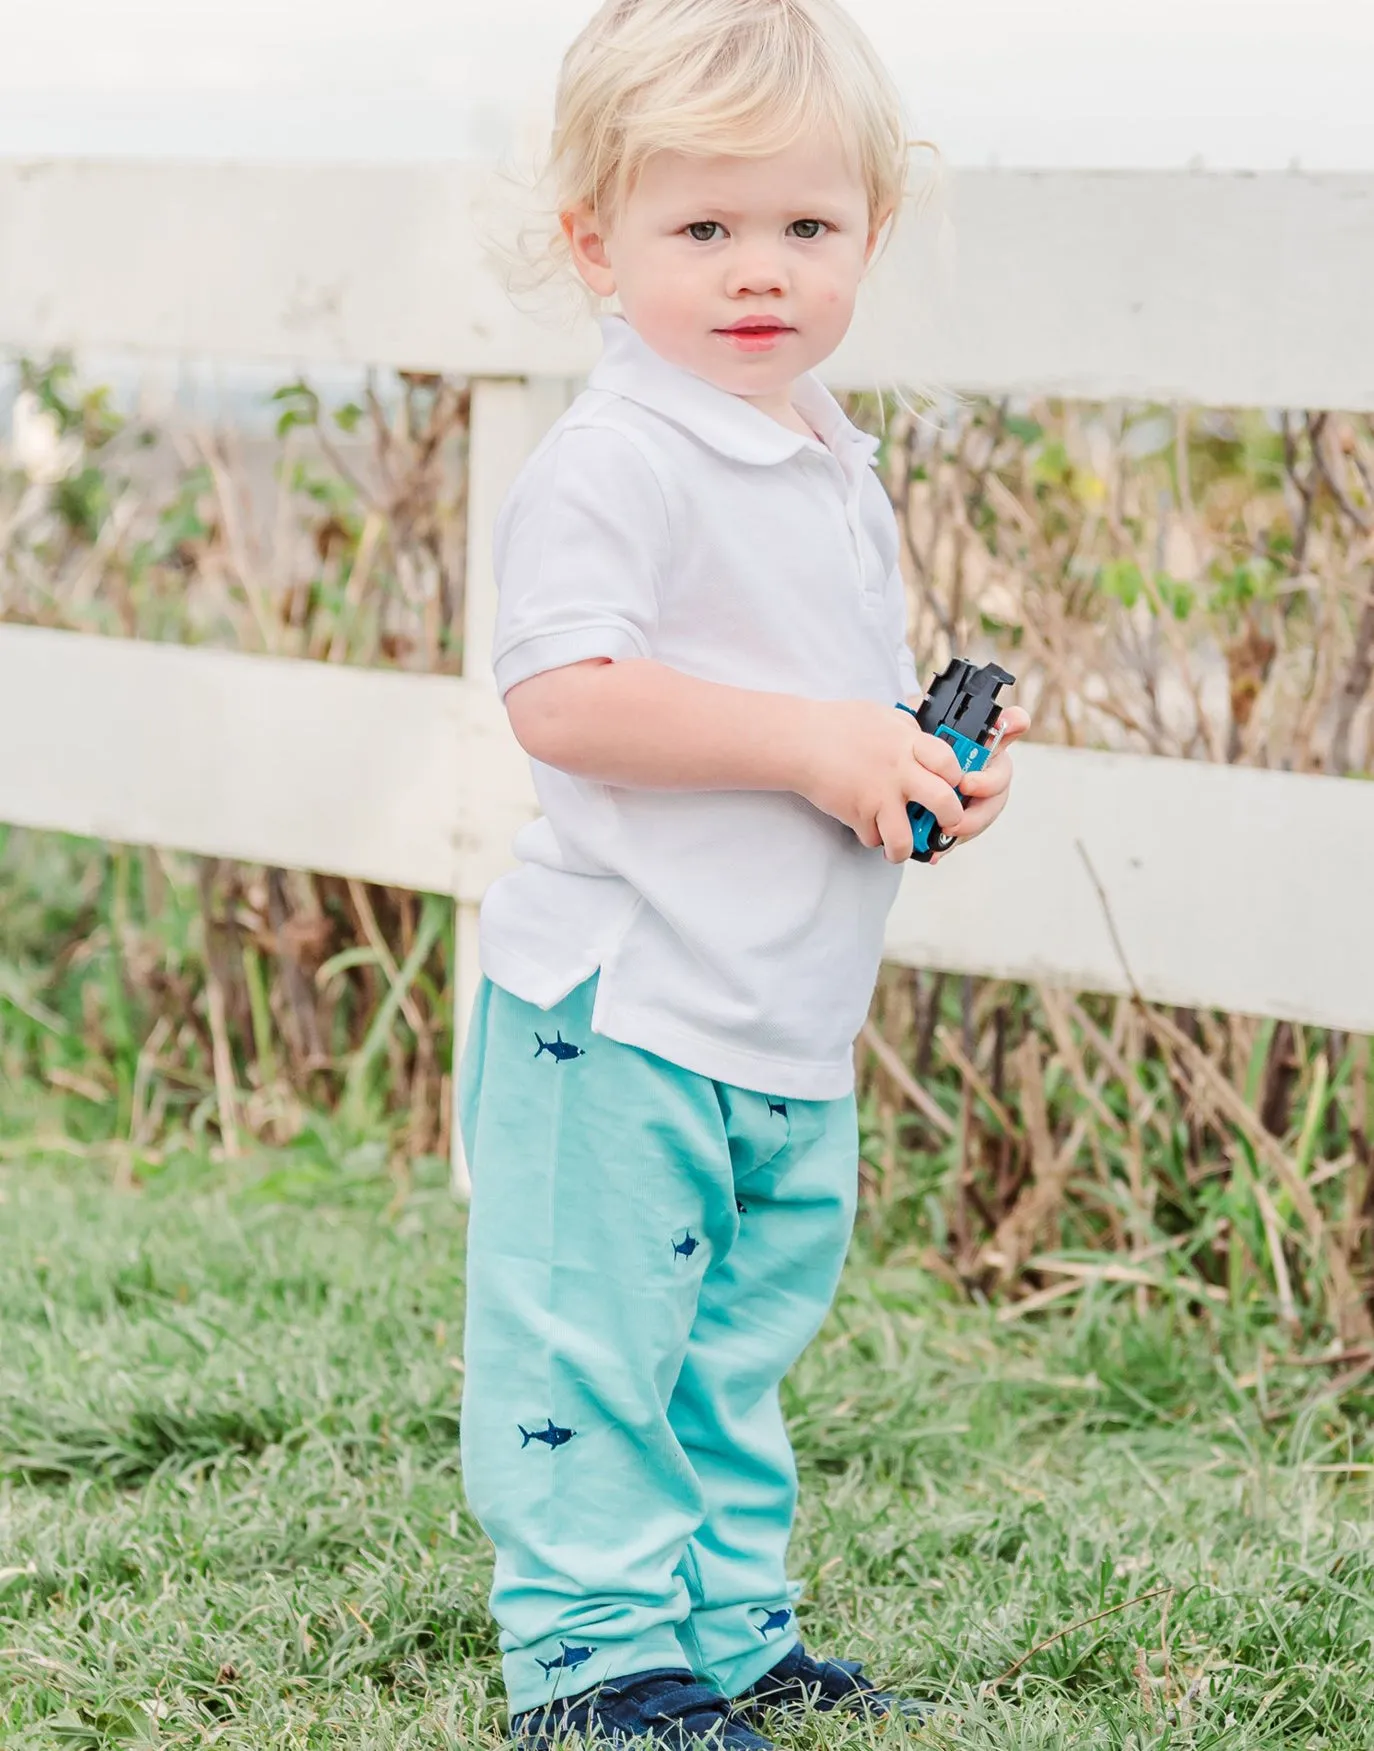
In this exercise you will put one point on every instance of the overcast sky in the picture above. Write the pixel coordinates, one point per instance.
(1232, 83)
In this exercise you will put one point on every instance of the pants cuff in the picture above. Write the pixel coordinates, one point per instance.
(565, 1666)
(737, 1644)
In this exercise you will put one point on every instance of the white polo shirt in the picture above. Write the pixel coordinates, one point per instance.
(737, 933)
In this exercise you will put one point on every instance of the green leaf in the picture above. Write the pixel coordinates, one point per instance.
(1253, 580)
(1122, 580)
(299, 403)
(292, 416)
(82, 501)
(1027, 431)
(328, 490)
(1052, 466)
(1179, 598)
(99, 420)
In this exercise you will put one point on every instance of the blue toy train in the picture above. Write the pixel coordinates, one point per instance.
(961, 708)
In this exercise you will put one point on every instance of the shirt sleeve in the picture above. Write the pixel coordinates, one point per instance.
(580, 554)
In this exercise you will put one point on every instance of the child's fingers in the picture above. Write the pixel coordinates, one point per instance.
(992, 780)
(1014, 722)
(894, 825)
(922, 786)
(979, 816)
(936, 755)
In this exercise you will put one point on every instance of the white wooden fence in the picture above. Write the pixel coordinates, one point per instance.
(1199, 885)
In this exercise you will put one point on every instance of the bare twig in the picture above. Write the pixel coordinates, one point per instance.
(1018, 1230)
(378, 944)
(924, 1103)
(1106, 1273)
(976, 1080)
(1273, 1239)
(1355, 687)
(1360, 518)
(240, 550)
(1083, 1623)
(1117, 944)
(225, 1094)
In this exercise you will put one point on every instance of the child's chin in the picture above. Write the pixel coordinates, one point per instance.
(750, 373)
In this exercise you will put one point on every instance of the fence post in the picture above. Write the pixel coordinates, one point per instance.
(508, 417)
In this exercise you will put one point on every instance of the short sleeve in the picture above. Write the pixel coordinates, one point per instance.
(580, 554)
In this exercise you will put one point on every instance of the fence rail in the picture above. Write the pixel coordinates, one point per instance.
(1242, 889)
(1222, 289)
(1199, 885)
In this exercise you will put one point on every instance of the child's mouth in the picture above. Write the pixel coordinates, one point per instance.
(755, 337)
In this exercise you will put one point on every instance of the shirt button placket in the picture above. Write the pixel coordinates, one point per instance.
(853, 517)
(848, 497)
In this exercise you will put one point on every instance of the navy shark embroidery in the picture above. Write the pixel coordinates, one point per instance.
(684, 1249)
(552, 1436)
(741, 1207)
(779, 1107)
(774, 1620)
(559, 1049)
(568, 1660)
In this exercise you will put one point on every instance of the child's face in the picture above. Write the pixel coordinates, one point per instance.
(702, 245)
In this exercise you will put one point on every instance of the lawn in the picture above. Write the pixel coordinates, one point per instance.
(231, 1513)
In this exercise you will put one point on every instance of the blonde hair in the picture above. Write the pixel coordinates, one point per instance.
(743, 78)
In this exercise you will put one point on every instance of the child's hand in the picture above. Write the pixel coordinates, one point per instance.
(863, 763)
(987, 791)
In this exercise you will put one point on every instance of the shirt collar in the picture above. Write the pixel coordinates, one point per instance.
(630, 367)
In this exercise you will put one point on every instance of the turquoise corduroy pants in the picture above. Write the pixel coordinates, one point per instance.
(649, 1251)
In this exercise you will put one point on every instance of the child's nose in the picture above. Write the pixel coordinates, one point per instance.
(756, 271)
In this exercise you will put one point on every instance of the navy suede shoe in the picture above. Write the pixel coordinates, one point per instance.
(798, 1682)
(663, 1708)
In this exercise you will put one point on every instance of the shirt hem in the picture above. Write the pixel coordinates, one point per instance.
(761, 1072)
(528, 980)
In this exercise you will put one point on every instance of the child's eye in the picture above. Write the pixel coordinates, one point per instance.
(704, 230)
(808, 228)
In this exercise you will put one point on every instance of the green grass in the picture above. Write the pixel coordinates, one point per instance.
(231, 1511)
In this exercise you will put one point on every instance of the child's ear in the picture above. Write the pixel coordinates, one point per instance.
(587, 244)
